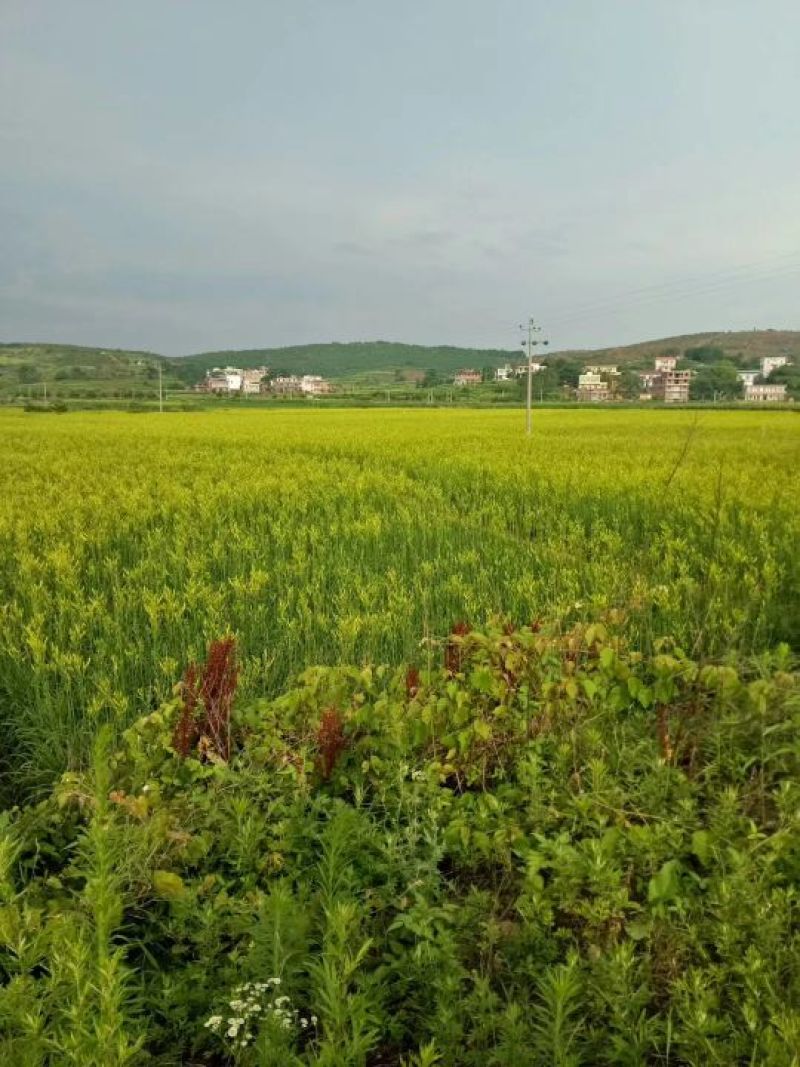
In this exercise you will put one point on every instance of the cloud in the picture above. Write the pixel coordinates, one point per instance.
(228, 181)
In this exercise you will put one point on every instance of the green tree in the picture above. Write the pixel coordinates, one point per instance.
(567, 370)
(628, 385)
(546, 383)
(28, 373)
(705, 354)
(431, 377)
(788, 375)
(716, 381)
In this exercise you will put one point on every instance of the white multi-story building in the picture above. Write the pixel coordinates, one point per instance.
(592, 386)
(666, 363)
(748, 377)
(765, 394)
(233, 380)
(285, 383)
(607, 370)
(314, 385)
(771, 363)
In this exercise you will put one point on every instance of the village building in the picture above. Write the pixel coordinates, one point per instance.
(468, 377)
(521, 370)
(665, 363)
(307, 385)
(765, 394)
(314, 385)
(593, 387)
(214, 382)
(606, 371)
(232, 380)
(771, 363)
(672, 386)
(251, 380)
(665, 382)
(502, 374)
(748, 377)
(285, 384)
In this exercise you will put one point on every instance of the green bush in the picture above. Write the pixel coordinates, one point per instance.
(550, 850)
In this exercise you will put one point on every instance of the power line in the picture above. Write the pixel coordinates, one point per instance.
(709, 290)
(678, 289)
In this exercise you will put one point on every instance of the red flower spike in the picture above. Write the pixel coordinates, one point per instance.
(412, 682)
(330, 740)
(211, 687)
(452, 652)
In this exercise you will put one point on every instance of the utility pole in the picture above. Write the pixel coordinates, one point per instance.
(532, 330)
(160, 390)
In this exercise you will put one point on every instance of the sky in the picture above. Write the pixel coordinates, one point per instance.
(184, 176)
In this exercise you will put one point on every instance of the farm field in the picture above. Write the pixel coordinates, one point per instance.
(128, 542)
(566, 834)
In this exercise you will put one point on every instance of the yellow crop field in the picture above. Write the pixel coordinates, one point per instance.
(129, 541)
(396, 739)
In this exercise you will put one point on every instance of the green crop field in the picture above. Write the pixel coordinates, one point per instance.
(129, 541)
(537, 843)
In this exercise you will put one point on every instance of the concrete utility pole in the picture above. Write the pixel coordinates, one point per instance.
(532, 339)
(160, 390)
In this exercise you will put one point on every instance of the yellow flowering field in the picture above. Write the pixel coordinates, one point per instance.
(128, 541)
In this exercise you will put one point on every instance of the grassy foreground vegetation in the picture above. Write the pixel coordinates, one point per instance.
(350, 836)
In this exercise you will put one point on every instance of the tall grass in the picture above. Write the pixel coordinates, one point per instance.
(127, 543)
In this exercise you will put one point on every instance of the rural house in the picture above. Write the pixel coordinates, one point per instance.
(467, 377)
(665, 382)
(593, 387)
(769, 393)
(771, 363)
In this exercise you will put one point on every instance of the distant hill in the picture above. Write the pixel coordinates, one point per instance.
(743, 346)
(73, 371)
(353, 359)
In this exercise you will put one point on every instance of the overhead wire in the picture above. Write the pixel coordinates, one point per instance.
(676, 292)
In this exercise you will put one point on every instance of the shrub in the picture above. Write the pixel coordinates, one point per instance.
(557, 850)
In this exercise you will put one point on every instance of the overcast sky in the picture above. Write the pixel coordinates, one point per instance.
(182, 176)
